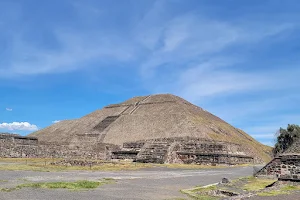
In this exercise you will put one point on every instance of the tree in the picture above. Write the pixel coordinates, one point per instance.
(286, 138)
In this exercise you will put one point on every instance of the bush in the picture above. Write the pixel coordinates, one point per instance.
(286, 138)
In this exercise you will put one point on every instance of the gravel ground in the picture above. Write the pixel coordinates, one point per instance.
(150, 184)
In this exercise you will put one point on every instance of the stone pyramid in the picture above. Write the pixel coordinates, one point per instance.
(146, 118)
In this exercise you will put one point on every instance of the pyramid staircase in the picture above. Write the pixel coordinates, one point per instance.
(105, 123)
(154, 152)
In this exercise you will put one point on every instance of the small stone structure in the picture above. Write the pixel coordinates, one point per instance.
(12, 145)
(16, 146)
(285, 166)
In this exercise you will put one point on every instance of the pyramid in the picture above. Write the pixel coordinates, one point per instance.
(161, 117)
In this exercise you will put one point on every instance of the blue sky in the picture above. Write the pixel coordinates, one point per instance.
(62, 59)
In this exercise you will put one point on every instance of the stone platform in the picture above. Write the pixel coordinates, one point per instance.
(283, 167)
(185, 150)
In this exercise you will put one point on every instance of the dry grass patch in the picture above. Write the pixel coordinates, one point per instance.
(271, 193)
(284, 190)
(189, 166)
(256, 184)
(44, 164)
(48, 168)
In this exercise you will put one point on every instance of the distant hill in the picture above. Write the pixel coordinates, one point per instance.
(151, 117)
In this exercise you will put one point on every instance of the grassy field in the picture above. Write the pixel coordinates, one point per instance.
(77, 185)
(199, 193)
(241, 186)
(284, 190)
(246, 184)
(256, 184)
(44, 164)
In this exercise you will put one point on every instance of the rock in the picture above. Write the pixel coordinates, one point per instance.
(225, 180)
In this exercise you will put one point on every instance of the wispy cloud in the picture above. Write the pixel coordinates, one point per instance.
(22, 126)
(184, 40)
(208, 59)
(9, 109)
(77, 49)
(55, 121)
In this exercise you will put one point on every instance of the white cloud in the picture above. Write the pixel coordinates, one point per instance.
(9, 109)
(55, 121)
(190, 56)
(22, 126)
(171, 40)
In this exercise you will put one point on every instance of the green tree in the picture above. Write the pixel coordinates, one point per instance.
(286, 138)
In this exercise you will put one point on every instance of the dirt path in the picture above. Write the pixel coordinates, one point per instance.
(156, 183)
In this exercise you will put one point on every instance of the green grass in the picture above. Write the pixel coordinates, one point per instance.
(108, 179)
(271, 193)
(256, 184)
(284, 190)
(77, 185)
(290, 188)
(250, 183)
(65, 185)
(195, 193)
(8, 189)
(204, 189)
(1, 181)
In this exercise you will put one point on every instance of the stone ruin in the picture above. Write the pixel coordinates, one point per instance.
(163, 150)
(183, 150)
(155, 128)
(285, 166)
(16, 146)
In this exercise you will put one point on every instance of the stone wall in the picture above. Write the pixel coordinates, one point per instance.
(124, 155)
(285, 167)
(210, 158)
(15, 146)
(183, 150)
(163, 150)
(17, 139)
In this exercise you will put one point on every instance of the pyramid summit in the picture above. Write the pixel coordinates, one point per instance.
(154, 128)
(145, 117)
